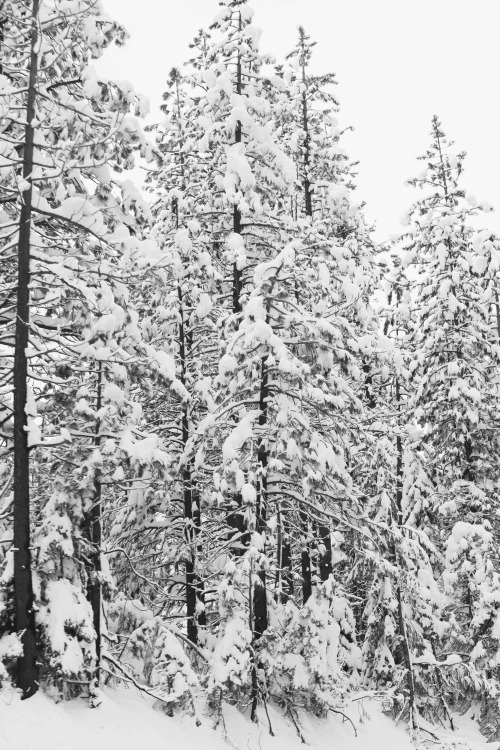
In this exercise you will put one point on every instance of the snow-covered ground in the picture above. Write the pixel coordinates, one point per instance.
(126, 721)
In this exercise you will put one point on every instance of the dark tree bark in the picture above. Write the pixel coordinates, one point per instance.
(94, 532)
(27, 671)
(198, 582)
(94, 592)
(260, 593)
(410, 679)
(258, 597)
(308, 210)
(237, 274)
(192, 626)
(236, 521)
(235, 518)
(307, 147)
(192, 516)
(305, 559)
(325, 563)
(369, 395)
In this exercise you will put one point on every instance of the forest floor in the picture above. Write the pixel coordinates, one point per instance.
(126, 720)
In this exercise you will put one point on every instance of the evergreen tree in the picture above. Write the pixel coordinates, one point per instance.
(336, 238)
(70, 218)
(451, 267)
(217, 138)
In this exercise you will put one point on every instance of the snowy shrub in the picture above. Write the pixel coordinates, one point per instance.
(472, 584)
(311, 658)
(10, 649)
(124, 615)
(67, 637)
(64, 615)
(156, 658)
(231, 660)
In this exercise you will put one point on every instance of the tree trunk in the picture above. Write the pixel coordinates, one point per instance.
(198, 582)
(260, 593)
(308, 210)
(235, 517)
(497, 313)
(192, 516)
(94, 531)
(307, 144)
(237, 274)
(305, 559)
(410, 679)
(325, 558)
(27, 672)
(236, 522)
(369, 395)
(258, 597)
(408, 664)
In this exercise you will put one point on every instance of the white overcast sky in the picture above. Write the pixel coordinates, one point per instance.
(397, 63)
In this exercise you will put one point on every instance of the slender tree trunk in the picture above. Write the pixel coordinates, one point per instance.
(192, 626)
(192, 520)
(237, 273)
(2, 36)
(236, 522)
(497, 313)
(199, 584)
(27, 672)
(286, 566)
(192, 516)
(325, 558)
(94, 530)
(305, 559)
(469, 474)
(369, 395)
(258, 597)
(308, 210)
(410, 679)
(260, 593)
(307, 144)
(236, 518)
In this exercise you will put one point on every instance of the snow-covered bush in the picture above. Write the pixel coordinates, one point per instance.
(156, 657)
(310, 657)
(231, 662)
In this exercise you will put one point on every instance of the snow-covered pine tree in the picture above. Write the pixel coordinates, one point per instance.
(402, 619)
(177, 301)
(290, 350)
(17, 297)
(207, 199)
(70, 218)
(336, 238)
(451, 271)
(310, 129)
(254, 177)
(314, 660)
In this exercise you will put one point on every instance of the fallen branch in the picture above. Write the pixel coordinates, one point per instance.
(129, 678)
(336, 711)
